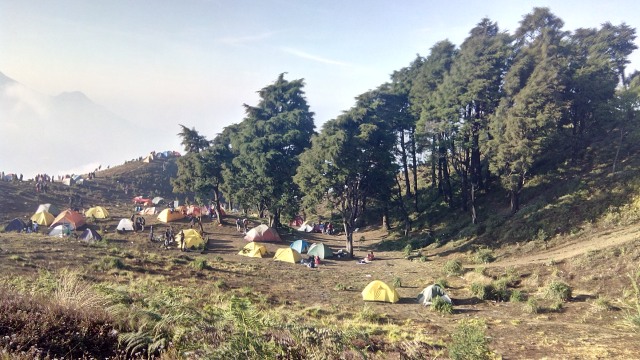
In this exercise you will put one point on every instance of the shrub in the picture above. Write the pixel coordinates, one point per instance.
(397, 282)
(442, 282)
(407, 250)
(340, 287)
(557, 290)
(516, 296)
(109, 263)
(199, 264)
(368, 314)
(440, 305)
(481, 291)
(453, 267)
(468, 341)
(483, 256)
(531, 306)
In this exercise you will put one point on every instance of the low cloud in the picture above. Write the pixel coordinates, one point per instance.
(316, 58)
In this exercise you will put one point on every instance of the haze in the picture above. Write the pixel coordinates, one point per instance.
(147, 66)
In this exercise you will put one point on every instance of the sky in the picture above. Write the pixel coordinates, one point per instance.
(196, 62)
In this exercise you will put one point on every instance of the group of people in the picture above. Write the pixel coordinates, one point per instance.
(138, 222)
(242, 224)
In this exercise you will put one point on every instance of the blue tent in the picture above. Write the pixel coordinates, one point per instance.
(300, 246)
(15, 225)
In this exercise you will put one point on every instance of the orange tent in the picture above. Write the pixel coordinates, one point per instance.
(73, 218)
(167, 215)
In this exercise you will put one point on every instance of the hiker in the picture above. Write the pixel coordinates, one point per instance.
(151, 233)
(181, 240)
(245, 223)
(330, 228)
(192, 221)
(316, 260)
(370, 256)
(35, 227)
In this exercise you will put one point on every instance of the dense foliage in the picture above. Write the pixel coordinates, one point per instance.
(443, 133)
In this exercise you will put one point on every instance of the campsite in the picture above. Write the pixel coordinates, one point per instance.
(589, 324)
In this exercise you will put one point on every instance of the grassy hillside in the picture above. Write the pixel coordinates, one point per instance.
(559, 279)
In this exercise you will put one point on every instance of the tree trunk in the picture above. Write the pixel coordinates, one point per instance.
(216, 203)
(434, 176)
(405, 166)
(474, 216)
(414, 166)
(348, 230)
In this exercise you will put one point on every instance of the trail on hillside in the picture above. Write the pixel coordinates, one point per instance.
(597, 241)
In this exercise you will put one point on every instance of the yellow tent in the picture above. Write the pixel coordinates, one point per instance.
(43, 218)
(191, 237)
(287, 255)
(253, 249)
(379, 291)
(167, 215)
(97, 212)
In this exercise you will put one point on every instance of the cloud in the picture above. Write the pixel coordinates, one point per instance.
(316, 58)
(241, 40)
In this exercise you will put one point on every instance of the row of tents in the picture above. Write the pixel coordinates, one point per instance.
(292, 254)
(379, 291)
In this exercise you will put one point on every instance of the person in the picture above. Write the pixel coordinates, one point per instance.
(192, 222)
(316, 260)
(245, 224)
(35, 227)
(311, 262)
(151, 233)
(182, 241)
(341, 253)
(370, 256)
(29, 227)
(238, 224)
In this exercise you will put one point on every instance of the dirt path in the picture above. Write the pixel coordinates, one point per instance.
(578, 246)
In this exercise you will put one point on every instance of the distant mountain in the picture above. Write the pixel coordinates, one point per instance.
(62, 134)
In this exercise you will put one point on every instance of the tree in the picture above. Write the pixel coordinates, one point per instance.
(532, 106)
(472, 91)
(192, 141)
(350, 162)
(268, 142)
(201, 171)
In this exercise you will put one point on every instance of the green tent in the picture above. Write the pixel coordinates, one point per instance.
(320, 250)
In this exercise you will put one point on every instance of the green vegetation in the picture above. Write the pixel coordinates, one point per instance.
(441, 306)
(558, 290)
(453, 268)
(469, 341)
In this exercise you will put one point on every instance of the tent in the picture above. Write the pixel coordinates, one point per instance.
(149, 158)
(73, 218)
(15, 225)
(167, 215)
(379, 291)
(148, 211)
(68, 181)
(262, 233)
(253, 249)
(320, 250)
(191, 238)
(157, 200)
(287, 255)
(296, 221)
(52, 209)
(125, 225)
(305, 228)
(429, 293)
(300, 246)
(97, 212)
(90, 235)
(43, 218)
(61, 230)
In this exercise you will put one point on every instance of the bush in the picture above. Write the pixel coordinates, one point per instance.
(199, 264)
(407, 250)
(531, 306)
(468, 341)
(442, 282)
(481, 291)
(516, 296)
(397, 282)
(109, 263)
(368, 314)
(453, 267)
(340, 287)
(557, 290)
(483, 256)
(440, 305)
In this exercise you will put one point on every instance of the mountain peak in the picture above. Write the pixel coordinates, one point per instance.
(78, 96)
(4, 79)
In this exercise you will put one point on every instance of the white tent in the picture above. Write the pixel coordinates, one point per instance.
(429, 293)
(125, 225)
